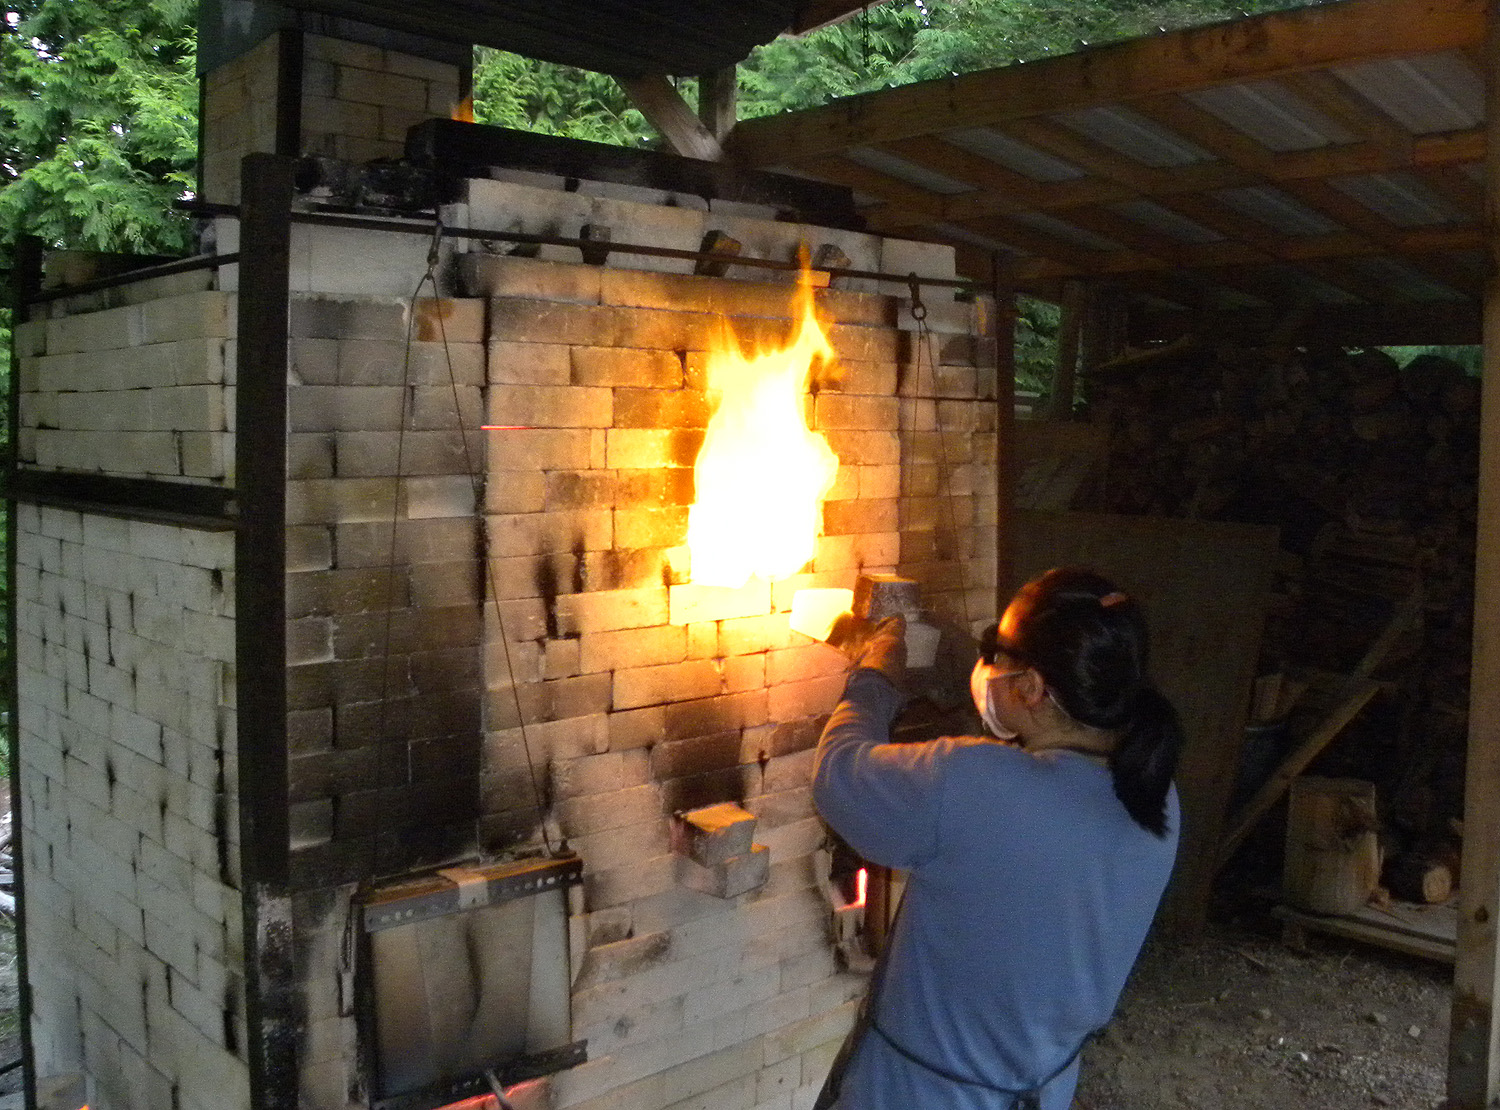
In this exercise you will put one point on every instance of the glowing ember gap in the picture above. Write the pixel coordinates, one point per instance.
(762, 473)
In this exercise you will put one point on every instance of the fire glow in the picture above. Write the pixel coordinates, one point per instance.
(762, 473)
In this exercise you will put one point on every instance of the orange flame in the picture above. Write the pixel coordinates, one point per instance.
(761, 474)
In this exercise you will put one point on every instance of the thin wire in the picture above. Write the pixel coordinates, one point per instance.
(478, 486)
(925, 342)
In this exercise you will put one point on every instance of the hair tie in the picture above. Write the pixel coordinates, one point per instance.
(1112, 599)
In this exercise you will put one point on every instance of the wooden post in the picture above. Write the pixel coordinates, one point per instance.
(717, 108)
(1006, 464)
(1474, 1040)
(1069, 333)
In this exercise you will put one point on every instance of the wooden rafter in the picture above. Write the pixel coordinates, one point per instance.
(1265, 46)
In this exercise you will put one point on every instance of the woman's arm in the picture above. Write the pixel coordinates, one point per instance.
(882, 798)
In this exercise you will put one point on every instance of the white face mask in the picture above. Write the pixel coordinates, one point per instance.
(982, 689)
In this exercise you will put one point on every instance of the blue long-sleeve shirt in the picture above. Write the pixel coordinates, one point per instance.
(1030, 893)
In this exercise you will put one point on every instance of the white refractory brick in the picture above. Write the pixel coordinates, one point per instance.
(731, 878)
(908, 256)
(359, 263)
(676, 228)
(429, 498)
(505, 206)
(713, 835)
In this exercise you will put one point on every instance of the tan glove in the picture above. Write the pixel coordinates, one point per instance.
(884, 650)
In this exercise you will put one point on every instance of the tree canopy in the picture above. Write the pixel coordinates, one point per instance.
(98, 122)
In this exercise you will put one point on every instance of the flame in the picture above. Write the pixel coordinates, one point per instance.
(761, 474)
(861, 887)
(463, 111)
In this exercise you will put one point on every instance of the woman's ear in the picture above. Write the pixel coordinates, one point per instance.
(1031, 688)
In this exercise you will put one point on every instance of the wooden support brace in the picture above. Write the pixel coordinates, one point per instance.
(662, 105)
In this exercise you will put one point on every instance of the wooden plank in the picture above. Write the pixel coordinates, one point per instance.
(1369, 928)
(1203, 585)
(1263, 46)
(1346, 709)
(1474, 1041)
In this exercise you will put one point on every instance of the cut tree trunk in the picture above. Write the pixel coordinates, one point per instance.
(1332, 849)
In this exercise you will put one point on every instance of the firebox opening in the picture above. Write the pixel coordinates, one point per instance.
(468, 981)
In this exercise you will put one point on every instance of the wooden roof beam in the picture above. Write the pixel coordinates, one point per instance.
(1264, 46)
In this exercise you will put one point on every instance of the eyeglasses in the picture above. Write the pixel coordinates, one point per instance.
(992, 646)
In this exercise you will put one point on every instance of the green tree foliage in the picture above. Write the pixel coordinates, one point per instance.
(512, 91)
(98, 122)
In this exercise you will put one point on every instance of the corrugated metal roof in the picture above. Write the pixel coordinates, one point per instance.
(1164, 221)
(1013, 154)
(1401, 198)
(1277, 211)
(1333, 153)
(1129, 133)
(1272, 115)
(903, 169)
(1426, 95)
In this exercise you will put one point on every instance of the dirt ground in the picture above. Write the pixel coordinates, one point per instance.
(1236, 1020)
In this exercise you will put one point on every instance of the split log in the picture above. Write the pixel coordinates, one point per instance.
(1416, 878)
(1332, 846)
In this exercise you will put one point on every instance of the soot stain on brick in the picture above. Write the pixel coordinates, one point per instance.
(580, 576)
(546, 588)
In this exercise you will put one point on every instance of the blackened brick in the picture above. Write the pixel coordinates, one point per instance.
(326, 774)
(699, 755)
(711, 716)
(573, 489)
(454, 671)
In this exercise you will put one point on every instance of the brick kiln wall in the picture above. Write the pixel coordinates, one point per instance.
(126, 720)
(384, 685)
(357, 103)
(643, 695)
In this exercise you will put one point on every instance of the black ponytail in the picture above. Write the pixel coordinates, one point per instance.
(1145, 758)
(1087, 639)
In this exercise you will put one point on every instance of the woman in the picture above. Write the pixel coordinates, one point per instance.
(1035, 866)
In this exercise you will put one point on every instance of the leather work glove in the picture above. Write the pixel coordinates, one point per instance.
(884, 650)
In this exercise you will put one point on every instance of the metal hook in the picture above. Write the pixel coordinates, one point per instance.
(437, 239)
(918, 309)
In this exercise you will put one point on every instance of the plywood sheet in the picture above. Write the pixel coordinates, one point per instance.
(1203, 586)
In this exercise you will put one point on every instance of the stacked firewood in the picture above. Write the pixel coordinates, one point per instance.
(1370, 470)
